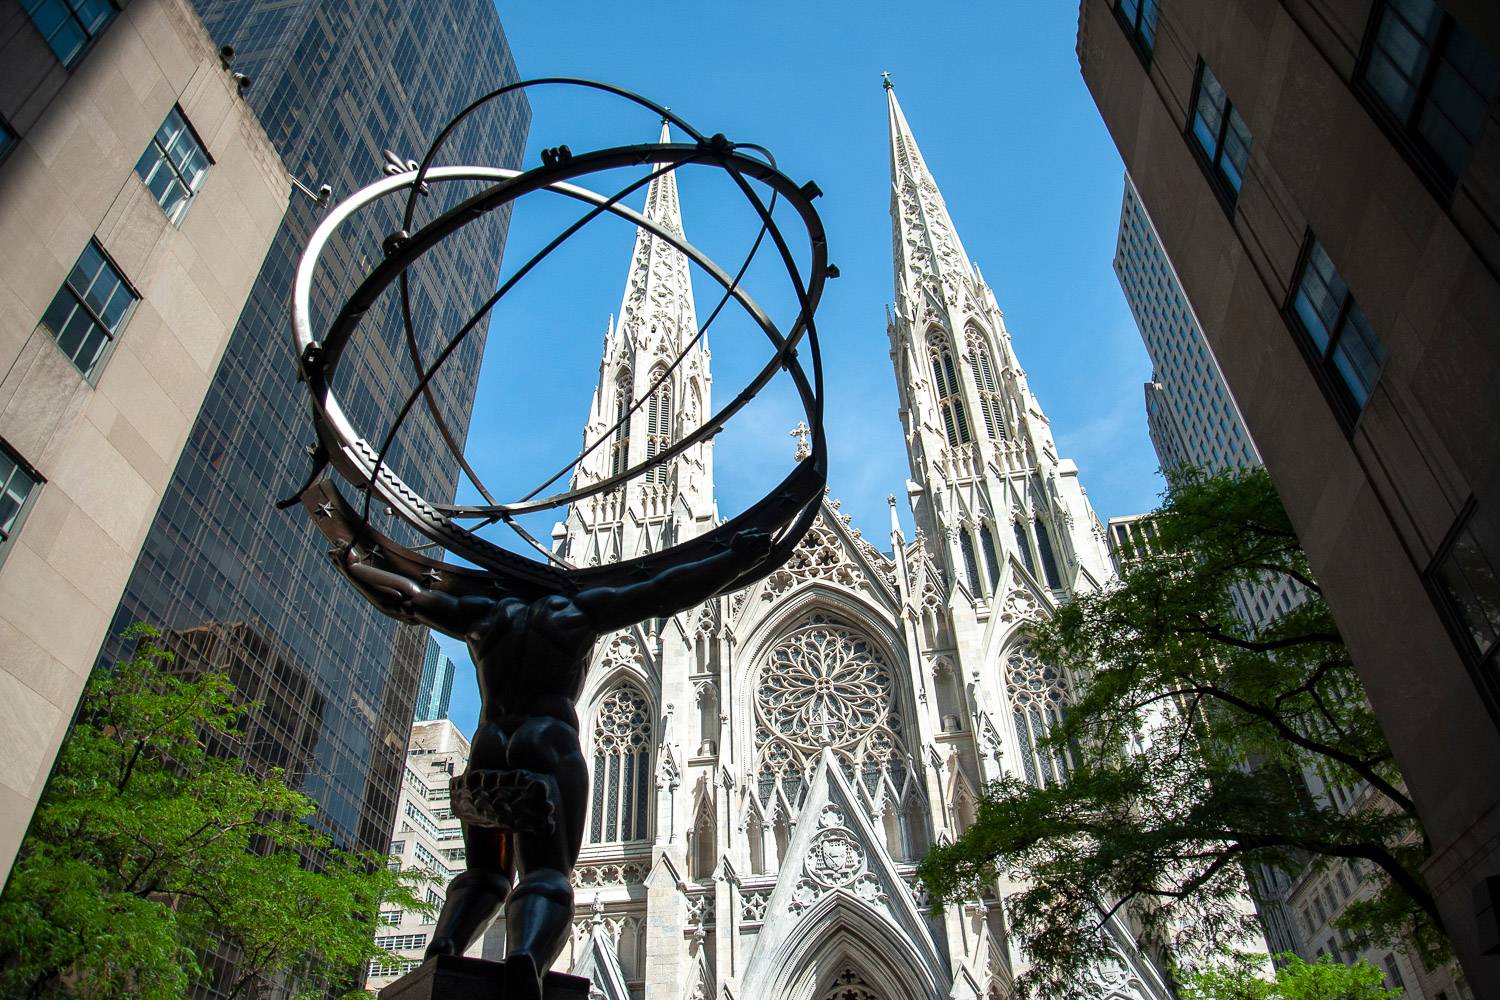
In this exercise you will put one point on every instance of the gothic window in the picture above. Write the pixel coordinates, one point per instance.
(658, 424)
(826, 684)
(622, 766)
(949, 392)
(849, 985)
(971, 563)
(991, 558)
(1023, 548)
(1049, 557)
(619, 449)
(990, 405)
(1037, 697)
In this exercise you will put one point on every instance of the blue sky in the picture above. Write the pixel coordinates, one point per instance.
(994, 95)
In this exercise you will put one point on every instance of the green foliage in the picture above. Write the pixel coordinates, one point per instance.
(1190, 737)
(146, 849)
(1294, 980)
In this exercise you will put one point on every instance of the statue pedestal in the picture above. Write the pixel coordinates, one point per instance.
(450, 978)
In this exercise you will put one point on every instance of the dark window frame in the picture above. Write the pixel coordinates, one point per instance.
(9, 139)
(38, 480)
(1212, 166)
(1143, 46)
(112, 336)
(1346, 409)
(1483, 665)
(162, 160)
(1439, 178)
(90, 36)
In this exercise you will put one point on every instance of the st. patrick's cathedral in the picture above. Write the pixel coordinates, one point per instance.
(769, 767)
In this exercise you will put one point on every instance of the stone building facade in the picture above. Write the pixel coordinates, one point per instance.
(138, 196)
(428, 837)
(769, 767)
(1324, 176)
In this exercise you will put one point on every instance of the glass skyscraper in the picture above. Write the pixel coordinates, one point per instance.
(233, 581)
(1189, 412)
(435, 691)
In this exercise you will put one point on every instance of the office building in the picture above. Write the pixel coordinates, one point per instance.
(1322, 176)
(1191, 417)
(426, 837)
(435, 689)
(335, 84)
(138, 197)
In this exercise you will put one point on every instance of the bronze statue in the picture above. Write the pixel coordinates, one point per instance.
(531, 625)
(522, 800)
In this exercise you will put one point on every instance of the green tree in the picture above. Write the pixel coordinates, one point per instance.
(1294, 980)
(1189, 740)
(146, 849)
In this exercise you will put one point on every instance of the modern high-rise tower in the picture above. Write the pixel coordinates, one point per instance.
(768, 767)
(335, 84)
(435, 690)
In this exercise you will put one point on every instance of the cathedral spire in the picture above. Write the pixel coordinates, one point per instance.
(644, 401)
(925, 236)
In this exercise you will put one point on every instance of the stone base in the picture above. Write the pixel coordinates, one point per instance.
(450, 978)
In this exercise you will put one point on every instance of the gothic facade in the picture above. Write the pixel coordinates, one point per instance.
(769, 767)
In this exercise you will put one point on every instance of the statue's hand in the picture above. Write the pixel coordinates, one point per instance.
(752, 542)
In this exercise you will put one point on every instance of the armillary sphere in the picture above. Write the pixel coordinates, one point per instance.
(786, 511)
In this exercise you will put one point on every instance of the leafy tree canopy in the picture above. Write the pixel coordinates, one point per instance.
(146, 850)
(1189, 741)
(1294, 980)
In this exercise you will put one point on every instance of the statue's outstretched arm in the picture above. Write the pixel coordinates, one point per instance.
(676, 588)
(404, 598)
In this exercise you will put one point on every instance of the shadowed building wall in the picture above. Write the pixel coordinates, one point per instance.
(138, 196)
(1325, 176)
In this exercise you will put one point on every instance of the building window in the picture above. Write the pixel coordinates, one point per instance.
(1139, 19)
(88, 311)
(659, 425)
(1037, 697)
(8, 138)
(18, 488)
(619, 448)
(1220, 137)
(1431, 80)
(69, 25)
(991, 557)
(173, 165)
(989, 394)
(1335, 333)
(949, 392)
(1466, 579)
(971, 564)
(1049, 557)
(1023, 548)
(622, 767)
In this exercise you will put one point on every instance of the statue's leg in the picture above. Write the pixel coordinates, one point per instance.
(476, 895)
(539, 912)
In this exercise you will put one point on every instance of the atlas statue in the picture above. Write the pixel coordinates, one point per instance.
(531, 623)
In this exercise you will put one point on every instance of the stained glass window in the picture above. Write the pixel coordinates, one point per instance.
(1037, 697)
(949, 392)
(827, 684)
(658, 425)
(622, 767)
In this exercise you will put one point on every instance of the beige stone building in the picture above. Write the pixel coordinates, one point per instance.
(138, 196)
(1325, 177)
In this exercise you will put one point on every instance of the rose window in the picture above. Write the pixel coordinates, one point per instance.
(826, 684)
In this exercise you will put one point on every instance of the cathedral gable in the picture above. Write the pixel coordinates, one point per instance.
(839, 873)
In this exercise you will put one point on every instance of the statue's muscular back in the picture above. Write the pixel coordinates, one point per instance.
(531, 658)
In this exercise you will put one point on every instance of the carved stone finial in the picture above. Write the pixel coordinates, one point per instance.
(800, 433)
